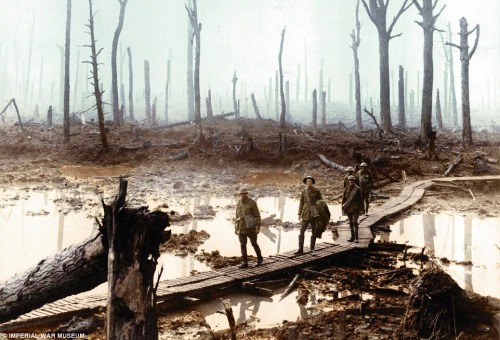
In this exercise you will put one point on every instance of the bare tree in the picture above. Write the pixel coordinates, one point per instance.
(95, 79)
(356, 40)
(193, 16)
(167, 90)
(451, 95)
(427, 24)
(439, 117)
(235, 103)
(401, 100)
(147, 93)
(465, 57)
(67, 50)
(190, 75)
(255, 107)
(131, 84)
(282, 94)
(315, 110)
(377, 12)
(114, 75)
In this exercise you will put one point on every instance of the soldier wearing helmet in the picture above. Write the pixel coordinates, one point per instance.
(352, 205)
(247, 226)
(366, 182)
(350, 172)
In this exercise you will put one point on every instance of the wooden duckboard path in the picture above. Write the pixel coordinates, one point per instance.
(204, 284)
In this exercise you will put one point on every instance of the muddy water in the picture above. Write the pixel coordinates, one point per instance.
(468, 246)
(38, 222)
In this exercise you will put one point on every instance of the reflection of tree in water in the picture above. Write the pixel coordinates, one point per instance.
(429, 225)
(468, 249)
(60, 227)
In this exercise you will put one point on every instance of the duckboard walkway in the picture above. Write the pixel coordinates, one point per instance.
(205, 284)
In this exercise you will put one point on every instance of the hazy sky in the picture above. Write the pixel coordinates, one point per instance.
(242, 35)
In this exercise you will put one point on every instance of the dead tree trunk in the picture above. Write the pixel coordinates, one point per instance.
(49, 117)
(323, 109)
(147, 93)
(73, 270)
(130, 84)
(377, 12)
(67, 50)
(453, 92)
(95, 80)
(235, 104)
(465, 57)
(210, 111)
(255, 107)
(167, 90)
(114, 73)
(427, 24)
(190, 74)
(193, 16)
(439, 117)
(401, 100)
(315, 110)
(134, 242)
(356, 41)
(282, 94)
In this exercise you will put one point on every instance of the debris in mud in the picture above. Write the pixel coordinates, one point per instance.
(203, 212)
(303, 296)
(184, 244)
(188, 326)
(215, 260)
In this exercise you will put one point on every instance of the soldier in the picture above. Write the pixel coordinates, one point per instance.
(308, 213)
(350, 172)
(247, 226)
(352, 205)
(365, 179)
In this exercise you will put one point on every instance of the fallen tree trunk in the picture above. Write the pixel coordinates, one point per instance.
(188, 122)
(331, 164)
(75, 269)
(457, 160)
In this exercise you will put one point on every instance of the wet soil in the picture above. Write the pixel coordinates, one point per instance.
(224, 162)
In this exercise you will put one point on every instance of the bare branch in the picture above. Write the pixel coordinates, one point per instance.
(475, 42)
(454, 45)
(368, 11)
(401, 11)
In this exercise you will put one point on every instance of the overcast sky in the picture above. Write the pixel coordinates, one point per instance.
(241, 36)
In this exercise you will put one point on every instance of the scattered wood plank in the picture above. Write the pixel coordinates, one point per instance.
(289, 288)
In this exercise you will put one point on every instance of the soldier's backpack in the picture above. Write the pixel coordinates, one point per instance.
(323, 218)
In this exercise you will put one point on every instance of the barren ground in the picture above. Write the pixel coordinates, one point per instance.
(38, 156)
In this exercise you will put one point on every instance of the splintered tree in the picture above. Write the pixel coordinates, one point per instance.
(190, 76)
(193, 17)
(465, 57)
(377, 12)
(95, 79)
(282, 95)
(401, 100)
(67, 50)
(427, 24)
(356, 40)
(114, 73)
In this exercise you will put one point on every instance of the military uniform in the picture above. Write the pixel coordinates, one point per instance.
(366, 182)
(247, 226)
(308, 214)
(352, 205)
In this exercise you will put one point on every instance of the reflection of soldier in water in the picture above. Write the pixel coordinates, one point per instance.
(246, 305)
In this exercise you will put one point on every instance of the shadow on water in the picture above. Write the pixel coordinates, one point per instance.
(38, 222)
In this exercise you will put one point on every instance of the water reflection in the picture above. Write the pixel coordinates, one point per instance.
(469, 242)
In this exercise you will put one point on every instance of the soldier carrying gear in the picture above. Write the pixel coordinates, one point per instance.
(308, 213)
(247, 226)
(352, 205)
(366, 182)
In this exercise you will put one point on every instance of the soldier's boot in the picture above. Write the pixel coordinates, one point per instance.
(356, 233)
(352, 233)
(260, 259)
(313, 244)
(300, 251)
(244, 256)
(366, 207)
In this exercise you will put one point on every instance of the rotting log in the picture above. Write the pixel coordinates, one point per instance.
(480, 166)
(453, 164)
(331, 164)
(134, 238)
(75, 269)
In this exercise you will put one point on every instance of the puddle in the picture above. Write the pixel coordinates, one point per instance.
(470, 243)
(258, 178)
(38, 222)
